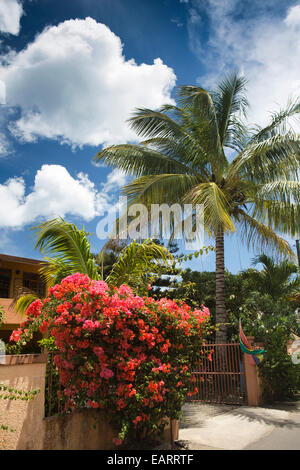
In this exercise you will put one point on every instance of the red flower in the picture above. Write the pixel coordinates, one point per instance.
(152, 387)
(93, 404)
(137, 420)
(16, 335)
(117, 441)
(109, 340)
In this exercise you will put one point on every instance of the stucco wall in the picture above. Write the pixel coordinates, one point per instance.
(25, 372)
(82, 430)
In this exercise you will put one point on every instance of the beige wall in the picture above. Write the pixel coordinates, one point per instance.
(25, 372)
(252, 379)
(82, 430)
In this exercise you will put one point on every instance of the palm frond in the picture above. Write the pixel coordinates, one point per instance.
(137, 261)
(216, 206)
(54, 269)
(262, 237)
(230, 99)
(278, 123)
(22, 298)
(159, 189)
(283, 190)
(266, 156)
(283, 217)
(63, 241)
(187, 150)
(201, 105)
(237, 135)
(283, 270)
(149, 123)
(23, 303)
(277, 279)
(139, 160)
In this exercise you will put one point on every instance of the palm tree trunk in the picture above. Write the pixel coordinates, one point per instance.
(221, 336)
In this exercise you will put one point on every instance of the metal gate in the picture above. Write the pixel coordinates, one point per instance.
(219, 376)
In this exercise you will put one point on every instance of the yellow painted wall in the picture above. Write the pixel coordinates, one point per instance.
(21, 267)
(12, 318)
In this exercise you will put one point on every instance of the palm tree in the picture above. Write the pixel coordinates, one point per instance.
(184, 159)
(67, 250)
(279, 280)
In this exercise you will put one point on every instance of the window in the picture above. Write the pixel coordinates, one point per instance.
(5, 277)
(34, 283)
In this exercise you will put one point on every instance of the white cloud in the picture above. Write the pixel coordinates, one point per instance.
(55, 193)
(194, 26)
(115, 179)
(293, 16)
(263, 45)
(74, 84)
(5, 146)
(10, 15)
(2, 93)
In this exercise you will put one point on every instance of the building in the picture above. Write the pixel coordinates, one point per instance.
(15, 273)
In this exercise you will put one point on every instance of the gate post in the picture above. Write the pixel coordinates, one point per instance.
(253, 383)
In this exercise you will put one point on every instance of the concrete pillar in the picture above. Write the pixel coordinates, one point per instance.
(288, 346)
(253, 383)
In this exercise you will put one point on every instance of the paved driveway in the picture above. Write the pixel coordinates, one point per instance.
(227, 427)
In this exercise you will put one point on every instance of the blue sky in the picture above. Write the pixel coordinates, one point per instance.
(71, 72)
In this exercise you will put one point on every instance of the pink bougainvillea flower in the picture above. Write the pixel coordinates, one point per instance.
(117, 441)
(106, 373)
(16, 335)
(125, 290)
(118, 351)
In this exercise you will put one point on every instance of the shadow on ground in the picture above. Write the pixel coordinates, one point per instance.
(271, 415)
(194, 415)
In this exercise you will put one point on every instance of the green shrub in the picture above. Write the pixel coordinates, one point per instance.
(274, 324)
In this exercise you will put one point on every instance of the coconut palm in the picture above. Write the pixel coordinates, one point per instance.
(67, 250)
(201, 152)
(279, 280)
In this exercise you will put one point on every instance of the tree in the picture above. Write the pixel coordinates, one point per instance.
(109, 255)
(196, 288)
(279, 280)
(183, 160)
(273, 323)
(67, 250)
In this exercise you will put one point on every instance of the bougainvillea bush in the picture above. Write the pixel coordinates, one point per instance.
(127, 355)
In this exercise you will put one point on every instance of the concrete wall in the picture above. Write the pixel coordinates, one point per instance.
(252, 379)
(85, 430)
(82, 430)
(25, 372)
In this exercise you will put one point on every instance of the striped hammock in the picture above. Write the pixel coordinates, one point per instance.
(257, 355)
